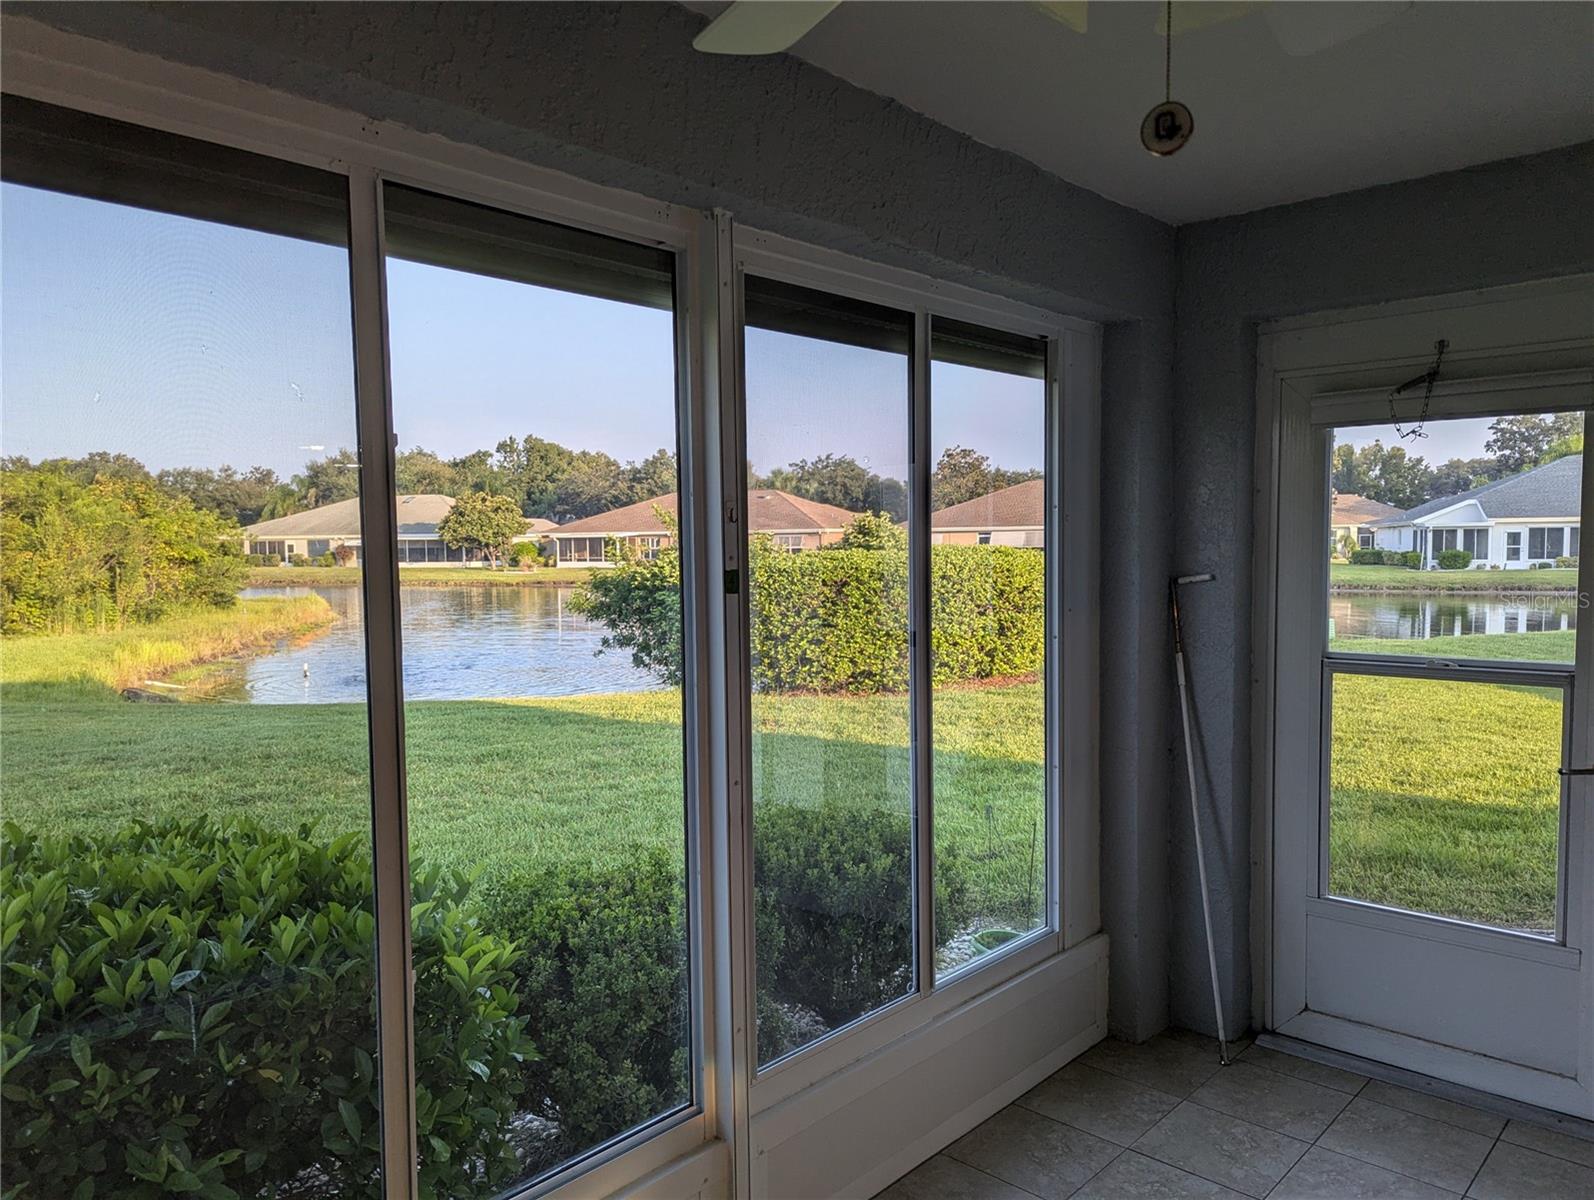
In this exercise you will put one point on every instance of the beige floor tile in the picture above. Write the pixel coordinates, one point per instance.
(1548, 1141)
(1107, 1105)
(1281, 1103)
(1165, 1062)
(1516, 1173)
(1232, 1152)
(1323, 1175)
(1304, 1068)
(1447, 1111)
(1033, 1152)
(1133, 1176)
(1407, 1143)
(943, 1178)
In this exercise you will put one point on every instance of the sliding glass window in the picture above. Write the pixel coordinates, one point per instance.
(186, 871)
(534, 402)
(827, 508)
(988, 523)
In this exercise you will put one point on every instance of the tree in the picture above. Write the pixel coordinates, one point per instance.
(539, 467)
(961, 474)
(421, 471)
(654, 476)
(98, 464)
(1524, 441)
(327, 480)
(593, 484)
(640, 601)
(483, 522)
(110, 551)
(873, 531)
(238, 498)
(1461, 475)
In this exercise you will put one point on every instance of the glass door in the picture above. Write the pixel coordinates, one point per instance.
(1435, 867)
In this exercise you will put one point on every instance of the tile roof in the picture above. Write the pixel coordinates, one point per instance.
(1553, 490)
(1022, 506)
(418, 517)
(768, 511)
(1351, 509)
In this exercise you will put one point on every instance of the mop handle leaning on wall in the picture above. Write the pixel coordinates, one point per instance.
(1195, 809)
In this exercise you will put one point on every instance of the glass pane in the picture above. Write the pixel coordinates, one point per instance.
(186, 863)
(1454, 544)
(987, 638)
(827, 444)
(534, 392)
(1444, 798)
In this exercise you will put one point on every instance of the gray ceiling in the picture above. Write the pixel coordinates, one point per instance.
(1440, 86)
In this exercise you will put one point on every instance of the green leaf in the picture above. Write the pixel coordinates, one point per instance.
(351, 1119)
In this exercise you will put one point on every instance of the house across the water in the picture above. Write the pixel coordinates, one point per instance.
(1010, 516)
(791, 522)
(319, 531)
(1511, 523)
(1352, 519)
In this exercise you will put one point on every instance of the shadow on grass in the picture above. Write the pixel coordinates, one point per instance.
(492, 786)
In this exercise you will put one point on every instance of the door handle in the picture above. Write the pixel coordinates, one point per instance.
(1575, 771)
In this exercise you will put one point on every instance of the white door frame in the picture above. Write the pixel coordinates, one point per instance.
(1521, 348)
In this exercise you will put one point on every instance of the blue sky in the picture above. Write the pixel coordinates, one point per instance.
(185, 343)
(1457, 438)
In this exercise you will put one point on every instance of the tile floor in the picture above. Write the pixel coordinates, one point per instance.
(1162, 1120)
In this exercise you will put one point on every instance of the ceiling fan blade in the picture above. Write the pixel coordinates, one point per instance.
(1069, 12)
(1190, 17)
(765, 27)
(1303, 29)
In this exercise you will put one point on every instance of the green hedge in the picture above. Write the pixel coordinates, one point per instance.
(602, 979)
(189, 1007)
(834, 888)
(1454, 560)
(189, 1010)
(836, 620)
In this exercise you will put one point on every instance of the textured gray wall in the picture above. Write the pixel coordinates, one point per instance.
(1505, 222)
(615, 94)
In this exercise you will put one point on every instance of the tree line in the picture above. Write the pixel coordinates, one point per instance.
(1515, 444)
(541, 478)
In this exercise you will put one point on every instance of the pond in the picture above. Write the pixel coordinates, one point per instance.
(459, 643)
(1384, 615)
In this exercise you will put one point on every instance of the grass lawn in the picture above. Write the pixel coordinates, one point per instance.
(95, 666)
(420, 576)
(1444, 797)
(499, 785)
(1558, 646)
(1344, 577)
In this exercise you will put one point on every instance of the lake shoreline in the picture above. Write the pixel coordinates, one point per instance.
(298, 577)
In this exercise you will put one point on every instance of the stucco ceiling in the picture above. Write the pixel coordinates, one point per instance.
(1440, 86)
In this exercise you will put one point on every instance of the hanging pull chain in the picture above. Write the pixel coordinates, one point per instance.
(1167, 56)
(1428, 378)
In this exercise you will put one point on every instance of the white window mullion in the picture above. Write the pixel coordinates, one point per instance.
(389, 807)
(921, 751)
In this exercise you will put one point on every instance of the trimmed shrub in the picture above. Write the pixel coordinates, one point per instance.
(1566, 560)
(602, 979)
(837, 621)
(833, 891)
(1367, 558)
(1410, 558)
(1454, 560)
(190, 1009)
(299, 560)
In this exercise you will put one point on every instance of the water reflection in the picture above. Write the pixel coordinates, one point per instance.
(1395, 616)
(459, 643)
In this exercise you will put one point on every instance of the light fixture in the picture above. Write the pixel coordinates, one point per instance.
(1168, 126)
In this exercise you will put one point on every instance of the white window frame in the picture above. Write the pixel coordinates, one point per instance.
(708, 1147)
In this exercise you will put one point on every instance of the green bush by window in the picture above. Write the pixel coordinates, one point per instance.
(602, 980)
(834, 894)
(190, 1010)
(1454, 560)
